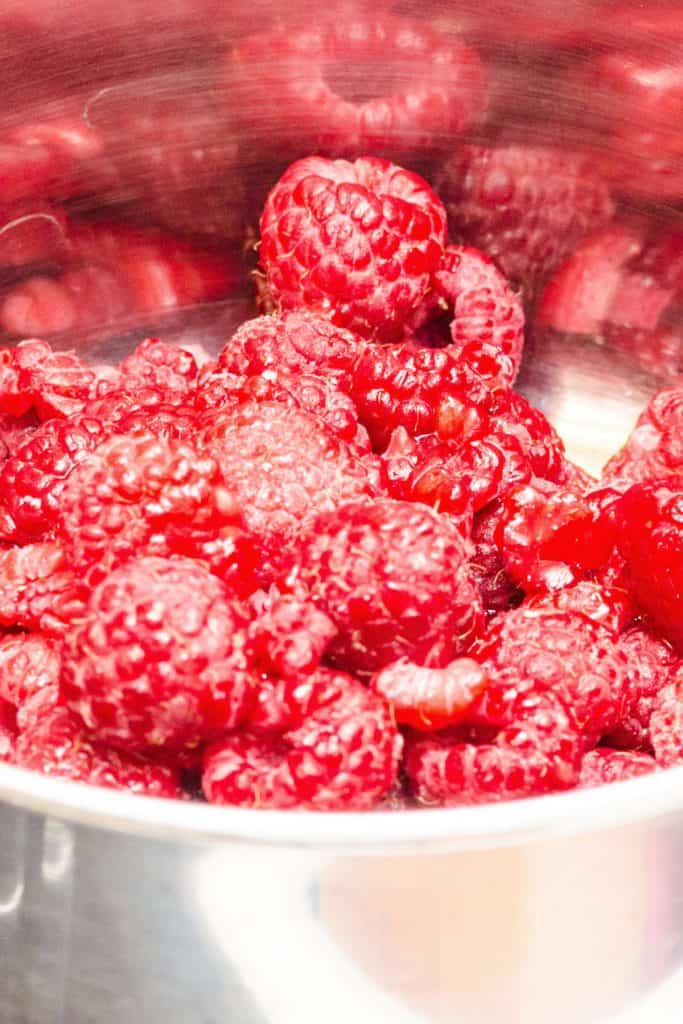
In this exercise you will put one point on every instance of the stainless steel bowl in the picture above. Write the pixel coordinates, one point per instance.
(115, 908)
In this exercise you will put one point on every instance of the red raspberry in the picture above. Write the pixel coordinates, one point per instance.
(666, 723)
(28, 663)
(497, 590)
(342, 756)
(15, 430)
(550, 536)
(8, 733)
(282, 703)
(654, 661)
(526, 206)
(166, 422)
(284, 466)
(650, 537)
(655, 446)
(138, 494)
(356, 242)
(32, 376)
(52, 741)
(288, 637)
(487, 329)
(538, 752)
(38, 590)
(376, 84)
(603, 765)
(393, 578)
(115, 407)
(31, 232)
(32, 480)
(430, 698)
(599, 601)
(156, 364)
(166, 632)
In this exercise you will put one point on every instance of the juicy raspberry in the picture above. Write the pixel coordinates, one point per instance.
(156, 364)
(114, 407)
(167, 422)
(650, 537)
(654, 661)
(527, 207)
(603, 765)
(38, 590)
(342, 756)
(31, 232)
(666, 724)
(284, 466)
(138, 494)
(655, 446)
(606, 604)
(393, 578)
(15, 430)
(32, 480)
(497, 590)
(28, 663)
(430, 698)
(550, 536)
(356, 242)
(407, 89)
(32, 376)
(165, 632)
(52, 741)
(288, 637)
(537, 752)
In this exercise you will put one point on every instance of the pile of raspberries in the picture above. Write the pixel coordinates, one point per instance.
(344, 564)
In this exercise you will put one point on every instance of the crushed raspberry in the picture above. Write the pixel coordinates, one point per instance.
(393, 578)
(497, 590)
(356, 242)
(527, 207)
(164, 630)
(603, 765)
(140, 494)
(343, 755)
(33, 478)
(422, 88)
(430, 698)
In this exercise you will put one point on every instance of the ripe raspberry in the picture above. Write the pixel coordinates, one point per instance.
(288, 637)
(649, 519)
(8, 733)
(114, 407)
(52, 741)
(373, 83)
(15, 430)
(356, 242)
(487, 329)
(666, 723)
(655, 662)
(430, 698)
(156, 364)
(603, 765)
(497, 590)
(527, 207)
(551, 536)
(284, 466)
(654, 448)
(28, 663)
(32, 480)
(166, 422)
(31, 232)
(538, 752)
(138, 494)
(38, 590)
(393, 578)
(166, 632)
(598, 600)
(32, 376)
(342, 756)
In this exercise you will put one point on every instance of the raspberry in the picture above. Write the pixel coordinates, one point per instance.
(393, 578)
(599, 601)
(15, 430)
(343, 755)
(29, 662)
(654, 662)
(356, 242)
(38, 590)
(377, 84)
(527, 207)
(31, 232)
(666, 724)
(289, 637)
(654, 448)
(114, 407)
(167, 422)
(32, 376)
(32, 480)
(538, 752)
(8, 733)
(165, 631)
(603, 765)
(155, 364)
(139, 494)
(551, 536)
(487, 329)
(284, 466)
(430, 698)
(497, 590)
(53, 741)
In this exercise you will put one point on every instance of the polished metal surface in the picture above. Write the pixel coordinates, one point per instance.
(120, 910)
